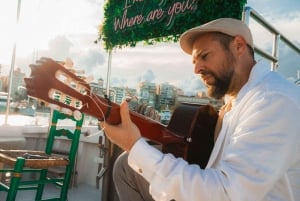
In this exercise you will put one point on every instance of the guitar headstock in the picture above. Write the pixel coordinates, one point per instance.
(57, 86)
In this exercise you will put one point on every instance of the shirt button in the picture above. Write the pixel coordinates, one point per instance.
(140, 170)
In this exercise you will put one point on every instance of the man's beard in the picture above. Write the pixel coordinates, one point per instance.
(219, 89)
(221, 85)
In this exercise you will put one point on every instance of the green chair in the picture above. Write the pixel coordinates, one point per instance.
(22, 162)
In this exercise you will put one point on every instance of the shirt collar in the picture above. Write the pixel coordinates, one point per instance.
(258, 72)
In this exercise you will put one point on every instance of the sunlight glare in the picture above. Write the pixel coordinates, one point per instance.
(8, 12)
(29, 33)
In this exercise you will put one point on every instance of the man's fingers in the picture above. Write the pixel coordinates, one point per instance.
(102, 124)
(124, 112)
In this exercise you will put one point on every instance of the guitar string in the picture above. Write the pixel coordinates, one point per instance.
(100, 110)
(93, 96)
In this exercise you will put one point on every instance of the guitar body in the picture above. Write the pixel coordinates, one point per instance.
(196, 124)
(189, 134)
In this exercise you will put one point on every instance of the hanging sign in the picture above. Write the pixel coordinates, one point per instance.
(127, 22)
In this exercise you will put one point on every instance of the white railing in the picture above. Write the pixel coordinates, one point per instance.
(277, 36)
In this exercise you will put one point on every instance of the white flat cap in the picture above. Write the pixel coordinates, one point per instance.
(229, 26)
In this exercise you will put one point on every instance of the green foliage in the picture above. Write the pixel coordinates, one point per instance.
(154, 21)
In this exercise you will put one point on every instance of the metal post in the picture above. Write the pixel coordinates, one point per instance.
(107, 144)
(108, 72)
(275, 51)
(12, 66)
(246, 15)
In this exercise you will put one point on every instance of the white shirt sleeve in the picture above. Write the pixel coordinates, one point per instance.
(173, 178)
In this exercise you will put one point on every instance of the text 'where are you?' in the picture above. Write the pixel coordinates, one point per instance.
(158, 13)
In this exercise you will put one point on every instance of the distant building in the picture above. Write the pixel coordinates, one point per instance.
(101, 82)
(4, 83)
(166, 96)
(17, 81)
(97, 88)
(118, 93)
(146, 92)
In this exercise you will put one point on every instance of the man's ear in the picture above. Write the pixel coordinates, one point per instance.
(240, 44)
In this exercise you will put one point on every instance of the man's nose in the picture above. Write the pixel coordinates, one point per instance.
(199, 67)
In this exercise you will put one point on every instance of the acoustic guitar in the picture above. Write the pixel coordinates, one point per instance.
(189, 133)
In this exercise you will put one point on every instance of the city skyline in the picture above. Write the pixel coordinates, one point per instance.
(72, 31)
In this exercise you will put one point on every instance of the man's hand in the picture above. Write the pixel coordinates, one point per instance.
(124, 134)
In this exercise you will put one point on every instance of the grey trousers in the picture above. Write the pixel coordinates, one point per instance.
(130, 186)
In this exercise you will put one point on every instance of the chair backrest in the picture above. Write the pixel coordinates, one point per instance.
(55, 132)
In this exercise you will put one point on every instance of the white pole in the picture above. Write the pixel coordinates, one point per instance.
(107, 160)
(12, 66)
(108, 73)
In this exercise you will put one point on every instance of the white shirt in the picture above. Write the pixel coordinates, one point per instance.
(256, 156)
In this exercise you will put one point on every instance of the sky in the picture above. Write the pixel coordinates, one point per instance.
(63, 29)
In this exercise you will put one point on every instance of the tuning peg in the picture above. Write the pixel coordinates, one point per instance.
(67, 111)
(54, 107)
(77, 115)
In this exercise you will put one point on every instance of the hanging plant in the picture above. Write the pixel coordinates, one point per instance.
(127, 22)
